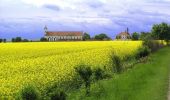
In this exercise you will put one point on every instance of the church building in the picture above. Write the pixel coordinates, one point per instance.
(63, 35)
(124, 35)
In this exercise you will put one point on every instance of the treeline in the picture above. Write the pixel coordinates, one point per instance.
(99, 37)
(2, 40)
(19, 39)
(158, 32)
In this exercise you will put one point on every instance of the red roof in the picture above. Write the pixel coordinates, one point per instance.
(64, 33)
(123, 33)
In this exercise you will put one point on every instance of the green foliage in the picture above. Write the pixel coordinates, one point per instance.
(99, 74)
(143, 52)
(4, 40)
(117, 63)
(145, 36)
(30, 93)
(118, 37)
(140, 83)
(25, 40)
(17, 39)
(135, 36)
(43, 39)
(153, 45)
(1, 40)
(85, 73)
(86, 36)
(161, 31)
(58, 95)
(102, 36)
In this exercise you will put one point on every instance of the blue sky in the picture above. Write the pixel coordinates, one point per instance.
(27, 18)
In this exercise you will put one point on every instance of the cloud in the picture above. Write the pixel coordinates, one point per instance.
(52, 7)
(95, 16)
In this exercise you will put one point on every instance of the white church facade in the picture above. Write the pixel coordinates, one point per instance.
(63, 35)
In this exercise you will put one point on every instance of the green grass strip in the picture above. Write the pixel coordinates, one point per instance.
(146, 81)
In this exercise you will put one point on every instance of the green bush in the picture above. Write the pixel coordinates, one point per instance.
(85, 73)
(143, 52)
(98, 74)
(58, 95)
(117, 63)
(30, 93)
(153, 45)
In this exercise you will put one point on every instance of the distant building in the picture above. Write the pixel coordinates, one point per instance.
(124, 35)
(63, 35)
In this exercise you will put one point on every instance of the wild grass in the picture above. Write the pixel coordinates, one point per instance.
(146, 81)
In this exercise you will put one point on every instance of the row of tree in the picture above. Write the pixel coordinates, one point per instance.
(2, 40)
(158, 32)
(19, 39)
(100, 37)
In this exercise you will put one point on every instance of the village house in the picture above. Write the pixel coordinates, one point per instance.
(124, 35)
(63, 35)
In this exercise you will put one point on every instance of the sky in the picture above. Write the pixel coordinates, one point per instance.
(27, 18)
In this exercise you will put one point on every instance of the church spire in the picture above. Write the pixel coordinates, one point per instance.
(45, 29)
(127, 30)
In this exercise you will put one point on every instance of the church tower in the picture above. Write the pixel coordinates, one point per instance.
(45, 29)
(127, 30)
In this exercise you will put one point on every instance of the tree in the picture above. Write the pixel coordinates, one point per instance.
(4, 40)
(86, 36)
(161, 31)
(13, 39)
(102, 36)
(18, 39)
(118, 37)
(43, 39)
(135, 36)
(145, 36)
(1, 40)
(25, 40)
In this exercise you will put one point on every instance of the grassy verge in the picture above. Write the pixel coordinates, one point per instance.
(146, 81)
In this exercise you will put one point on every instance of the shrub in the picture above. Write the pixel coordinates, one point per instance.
(99, 74)
(143, 52)
(85, 73)
(30, 93)
(117, 63)
(43, 39)
(58, 95)
(153, 44)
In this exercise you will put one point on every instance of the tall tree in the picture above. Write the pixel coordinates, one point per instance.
(86, 36)
(135, 36)
(161, 31)
(4, 40)
(1, 40)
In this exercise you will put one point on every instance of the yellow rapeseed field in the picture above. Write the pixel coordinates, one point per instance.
(43, 63)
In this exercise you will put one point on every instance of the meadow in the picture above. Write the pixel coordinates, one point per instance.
(43, 64)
